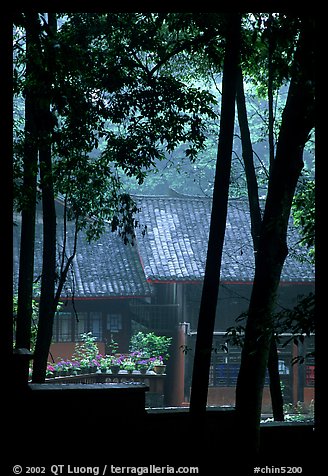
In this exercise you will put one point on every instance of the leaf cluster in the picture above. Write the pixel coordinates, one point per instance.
(150, 344)
(269, 42)
(110, 87)
(298, 323)
(124, 96)
(303, 212)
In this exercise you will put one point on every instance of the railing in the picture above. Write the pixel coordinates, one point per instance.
(155, 382)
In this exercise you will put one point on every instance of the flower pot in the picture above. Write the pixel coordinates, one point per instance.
(115, 369)
(159, 369)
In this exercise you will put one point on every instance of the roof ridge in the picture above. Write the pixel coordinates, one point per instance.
(168, 197)
(185, 197)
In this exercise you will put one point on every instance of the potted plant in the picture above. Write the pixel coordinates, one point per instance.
(128, 364)
(76, 369)
(115, 364)
(61, 368)
(50, 372)
(87, 352)
(153, 347)
(150, 345)
(103, 364)
(158, 365)
(69, 366)
(94, 364)
(143, 365)
(84, 366)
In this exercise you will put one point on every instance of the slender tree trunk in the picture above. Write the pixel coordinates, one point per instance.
(26, 261)
(270, 93)
(47, 306)
(256, 220)
(297, 122)
(273, 360)
(251, 180)
(210, 291)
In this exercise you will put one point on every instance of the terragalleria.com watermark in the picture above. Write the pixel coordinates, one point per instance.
(59, 469)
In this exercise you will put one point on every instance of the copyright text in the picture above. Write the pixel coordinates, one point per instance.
(64, 469)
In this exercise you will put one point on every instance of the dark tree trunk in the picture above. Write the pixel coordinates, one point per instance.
(30, 161)
(251, 180)
(256, 220)
(270, 92)
(47, 307)
(297, 122)
(273, 361)
(210, 291)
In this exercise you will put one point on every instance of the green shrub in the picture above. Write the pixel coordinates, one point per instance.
(150, 345)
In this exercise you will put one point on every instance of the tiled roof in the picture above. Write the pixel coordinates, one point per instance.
(173, 249)
(175, 245)
(103, 268)
(108, 267)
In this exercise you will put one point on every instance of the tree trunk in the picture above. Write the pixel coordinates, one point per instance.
(256, 220)
(30, 161)
(273, 362)
(297, 122)
(251, 180)
(210, 291)
(270, 93)
(47, 306)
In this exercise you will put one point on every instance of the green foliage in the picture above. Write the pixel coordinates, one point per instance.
(235, 335)
(303, 212)
(115, 86)
(112, 346)
(135, 88)
(149, 345)
(299, 322)
(262, 32)
(86, 350)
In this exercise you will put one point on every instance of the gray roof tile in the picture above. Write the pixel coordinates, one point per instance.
(172, 249)
(103, 268)
(175, 245)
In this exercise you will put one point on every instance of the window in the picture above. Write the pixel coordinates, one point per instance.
(224, 365)
(63, 324)
(68, 327)
(95, 325)
(283, 368)
(81, 325)
(114, 322)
